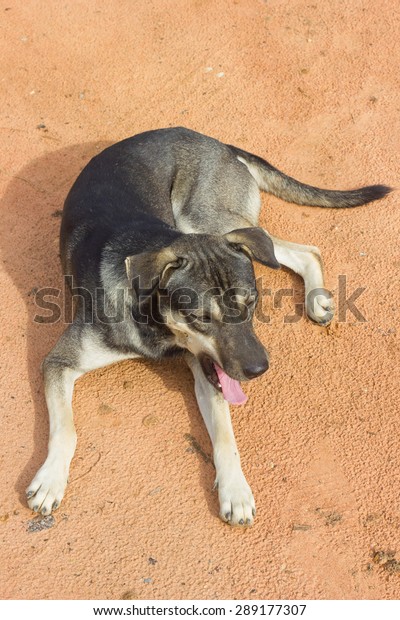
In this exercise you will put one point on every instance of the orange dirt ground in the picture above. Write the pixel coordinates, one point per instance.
(314, 88)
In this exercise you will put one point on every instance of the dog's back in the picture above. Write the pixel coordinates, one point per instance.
(176, 178)
(168, 179)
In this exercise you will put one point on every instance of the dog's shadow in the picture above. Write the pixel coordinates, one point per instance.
(29, 242)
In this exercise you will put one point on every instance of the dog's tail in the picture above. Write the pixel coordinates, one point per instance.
(275, 182)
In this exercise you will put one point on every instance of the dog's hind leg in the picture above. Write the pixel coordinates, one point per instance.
(236, 500)
(306, 261)
(78, 351)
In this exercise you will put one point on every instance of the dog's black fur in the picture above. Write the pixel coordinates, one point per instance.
(165, 211)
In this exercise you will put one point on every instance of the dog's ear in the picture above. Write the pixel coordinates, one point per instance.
(255, 243)
(148, 270)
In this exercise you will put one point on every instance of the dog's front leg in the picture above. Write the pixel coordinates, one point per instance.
(78, 351)
(236, 500)
(46, 490)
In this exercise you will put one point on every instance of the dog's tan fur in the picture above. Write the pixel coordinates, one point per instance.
(172, 208)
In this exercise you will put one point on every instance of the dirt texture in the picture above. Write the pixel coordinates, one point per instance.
(314, 88)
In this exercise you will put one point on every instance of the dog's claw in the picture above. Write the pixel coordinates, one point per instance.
(236, 500)
(46, 489)
(320, 308)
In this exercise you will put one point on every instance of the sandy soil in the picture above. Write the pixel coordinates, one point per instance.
(314, 87)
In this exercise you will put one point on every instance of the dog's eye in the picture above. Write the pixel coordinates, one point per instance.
(251, 300)
(199, 322)
(203, 318)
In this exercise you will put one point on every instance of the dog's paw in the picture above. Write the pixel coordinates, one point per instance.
(46, 490)
(320, 307)
(237, 506)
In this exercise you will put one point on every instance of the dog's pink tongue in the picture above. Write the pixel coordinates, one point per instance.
(231, 389)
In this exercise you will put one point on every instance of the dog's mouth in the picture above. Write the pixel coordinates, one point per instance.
(230, 388)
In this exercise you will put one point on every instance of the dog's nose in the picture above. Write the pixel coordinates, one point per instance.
(255, 369)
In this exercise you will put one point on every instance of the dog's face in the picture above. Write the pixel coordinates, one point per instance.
(206, 295)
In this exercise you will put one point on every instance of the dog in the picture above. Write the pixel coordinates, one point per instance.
(165, 226)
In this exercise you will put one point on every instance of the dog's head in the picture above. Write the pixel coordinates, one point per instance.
(203, 288)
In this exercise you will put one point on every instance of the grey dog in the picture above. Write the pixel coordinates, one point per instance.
(169, 218)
